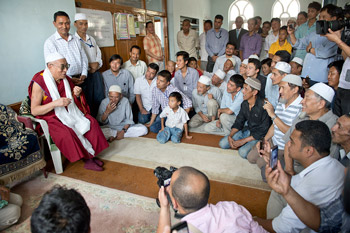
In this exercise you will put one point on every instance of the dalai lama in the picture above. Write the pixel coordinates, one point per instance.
(55, 99)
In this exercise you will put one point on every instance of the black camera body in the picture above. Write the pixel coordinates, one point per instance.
(322, 26)
(164, 175)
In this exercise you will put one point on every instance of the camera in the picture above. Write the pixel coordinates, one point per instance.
(164, 175)
(322, 26)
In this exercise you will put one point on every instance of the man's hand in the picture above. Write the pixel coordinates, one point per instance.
(218, 124)
(231, 142)
(120, 135)
(4, 193)
(290, 30)
(238, 143)
(163, 199)
(62, 102)
(308, 47)
(210, 96)
(93, 67)
(110, 107)
(77, 81)
(204, 118)
(82, 78)
(269, 108)
(77, 91)
(144, 111)
(278, 179)
(266, 152)
(214, 58)
(306, 85)
(333, 36)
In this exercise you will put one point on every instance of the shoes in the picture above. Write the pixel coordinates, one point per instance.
(98, 162)
(91, 165)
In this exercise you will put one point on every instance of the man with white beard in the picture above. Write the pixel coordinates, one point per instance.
(288, 108)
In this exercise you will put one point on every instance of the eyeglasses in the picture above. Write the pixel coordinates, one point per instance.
(63, 66)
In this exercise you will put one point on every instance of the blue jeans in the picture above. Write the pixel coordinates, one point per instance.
(144, 118)
(175, 134)
(156, 126)
(243, 150)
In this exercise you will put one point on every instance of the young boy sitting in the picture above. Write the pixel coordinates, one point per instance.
(176, 121)
(281, 44)
(266, 66)
(192, 62)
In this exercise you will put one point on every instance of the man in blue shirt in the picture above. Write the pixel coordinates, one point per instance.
(320, 51)
(215, 45)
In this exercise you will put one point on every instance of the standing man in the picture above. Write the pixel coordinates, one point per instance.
(208, 24)
(68, 46)
(306, 28)
(187, 39)
(217, 39)
(258, 28)
(93, 85)
(273, 36)
(250, 42)
(118, 76)
(136, 67)
(153, 46)
(229, 53)
(235, 35)
(143, 90)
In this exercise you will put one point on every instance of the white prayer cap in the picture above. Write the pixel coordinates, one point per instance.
(298, 60)
(80, 16)
(221, 74)
(204, 80)
(115, 88)
(293, 79)
(283, 66)
(232, 60)
(245, 62)
(324, 91)
(254, 56)
(254, 83)
(53, 57)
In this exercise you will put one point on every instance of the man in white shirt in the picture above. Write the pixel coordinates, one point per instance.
(136, 66)
(220, 61)
(187, 39)
(218, 81)
(273, 36)
(143, 91)
(320, 182)
(93, 85)
(208, 24)
(68, 46)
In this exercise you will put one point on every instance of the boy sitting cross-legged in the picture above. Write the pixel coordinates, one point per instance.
(176, 121)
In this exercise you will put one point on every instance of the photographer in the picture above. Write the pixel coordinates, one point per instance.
(342, 100)
(189, 192)
(320, 51)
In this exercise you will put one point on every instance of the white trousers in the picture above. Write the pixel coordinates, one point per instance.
(134, 131)
(10, 214)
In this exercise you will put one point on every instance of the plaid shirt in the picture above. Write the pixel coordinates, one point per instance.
(331, 216)
(153, 44)
(161, 99)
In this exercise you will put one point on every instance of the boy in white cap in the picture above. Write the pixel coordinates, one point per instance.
(55, 99)
(229, 107)
(252, 122)
(243, 68)
(206, 100)
(115, 112)
(288, 108)
(218, 81)
(176, 120)
(296, 66)
(229, 53)
(93, 85)
(280, 70)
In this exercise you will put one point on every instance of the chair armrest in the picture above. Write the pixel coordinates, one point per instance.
(26, 121)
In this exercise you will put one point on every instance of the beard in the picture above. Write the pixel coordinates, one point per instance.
(283, 101)
(302, 115)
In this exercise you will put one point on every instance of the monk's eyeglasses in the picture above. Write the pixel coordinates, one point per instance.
(63, 66)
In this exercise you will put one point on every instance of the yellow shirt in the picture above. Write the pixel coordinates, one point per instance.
(276, 47)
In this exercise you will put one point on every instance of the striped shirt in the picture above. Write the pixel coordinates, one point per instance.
(287, 115)
(152, 44)
(161, 99)
(71, 50)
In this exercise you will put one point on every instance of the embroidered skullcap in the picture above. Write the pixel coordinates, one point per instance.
(115, 88)
(204, 80)
(298, 60)
(254, 83)
(232, 60)
(221, 74)
(324, 91)
(293, 79)
(283, 66)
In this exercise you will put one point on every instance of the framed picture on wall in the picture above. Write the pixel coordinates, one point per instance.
(121, 25)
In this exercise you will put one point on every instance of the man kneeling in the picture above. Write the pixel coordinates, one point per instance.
(115, 112)
(189, 193)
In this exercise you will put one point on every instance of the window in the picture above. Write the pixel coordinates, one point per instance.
(241, 8)
(285, 9)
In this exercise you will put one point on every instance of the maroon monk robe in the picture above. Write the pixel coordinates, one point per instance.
(64, 137)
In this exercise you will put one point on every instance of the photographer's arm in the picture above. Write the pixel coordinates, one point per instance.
(336, 37)
(164, 215)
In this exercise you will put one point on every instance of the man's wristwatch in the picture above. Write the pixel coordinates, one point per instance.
(125, 130)
(274, 117)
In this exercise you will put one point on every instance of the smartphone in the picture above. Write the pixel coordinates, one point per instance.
(291, 26)
(262, 144)
(180, 227)
(274, 157)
